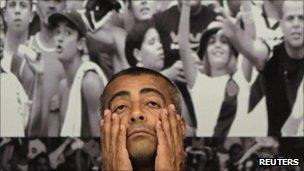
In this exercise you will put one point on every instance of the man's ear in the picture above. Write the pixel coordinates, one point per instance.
(82, 44)
(137, 55)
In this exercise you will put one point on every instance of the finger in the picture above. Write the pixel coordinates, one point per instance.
(107, 134)
(183, 125)
(246, 6)
(173, 123)
(122, 152)
(166, 126)
(221, 19)
(161, 137)
(122, 138)
(178, 64)
(238, 20)
(114, 134)
(181, 79)
(181, 73)
(179, 124)
(180, 131)
(101, 139)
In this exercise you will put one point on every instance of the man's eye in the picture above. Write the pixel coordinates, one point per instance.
(23, 5)
(68, 33)
(12, 4)
(57, 32)
(153, 104)
(120, 108)
(211, 41)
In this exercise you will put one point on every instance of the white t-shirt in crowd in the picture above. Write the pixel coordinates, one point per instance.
(208, 95)
(14, 111)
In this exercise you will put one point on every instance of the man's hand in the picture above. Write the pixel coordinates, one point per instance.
(242, 25)
(113, 147)
(170, 133)
(32, 58)
(55, 103)
(175, 72)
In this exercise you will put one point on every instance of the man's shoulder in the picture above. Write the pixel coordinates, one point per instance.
(274, 61)
(91, 82)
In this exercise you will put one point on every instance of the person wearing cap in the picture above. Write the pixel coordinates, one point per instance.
(80, 91)
(219, 115)
(105, 41)
(47, 120)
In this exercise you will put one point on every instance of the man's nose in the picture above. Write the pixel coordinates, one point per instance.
(297, 21)
(59, 39)
(159, 46)
(144, 2)
(17, 10)
(52, 6)
(137, 115)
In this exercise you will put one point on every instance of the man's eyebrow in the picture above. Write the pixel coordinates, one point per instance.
(118, 94)
(149, 90)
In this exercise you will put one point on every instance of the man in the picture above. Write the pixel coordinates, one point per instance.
(167, 23)
(80, 91)
(283, 72)
(16, 108)
(48, 121)
(17, 17)
(141, 127)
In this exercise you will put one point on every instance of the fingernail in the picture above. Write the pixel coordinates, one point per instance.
(114, 116)
(101, 122)
(165, 112)
(106, 112)
(178, 117)
(173, 107)
(122, 127)
(158, 123)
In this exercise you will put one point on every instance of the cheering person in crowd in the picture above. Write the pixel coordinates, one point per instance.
(144, 49)
(166, 23)
(48, 121)
(80, 91)
(16, 108)
(17, 17)
(137, 11)
(283, 71)
(221, 76)
(106, 41)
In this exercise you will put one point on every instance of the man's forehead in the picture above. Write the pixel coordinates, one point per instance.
(290, 7)
(137, 83)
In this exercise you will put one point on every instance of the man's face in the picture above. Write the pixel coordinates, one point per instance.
(143, 9)
(18, 15)
(138, 101)
(45, 8)
(292, 23)
(151, 52)
(66, 41)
